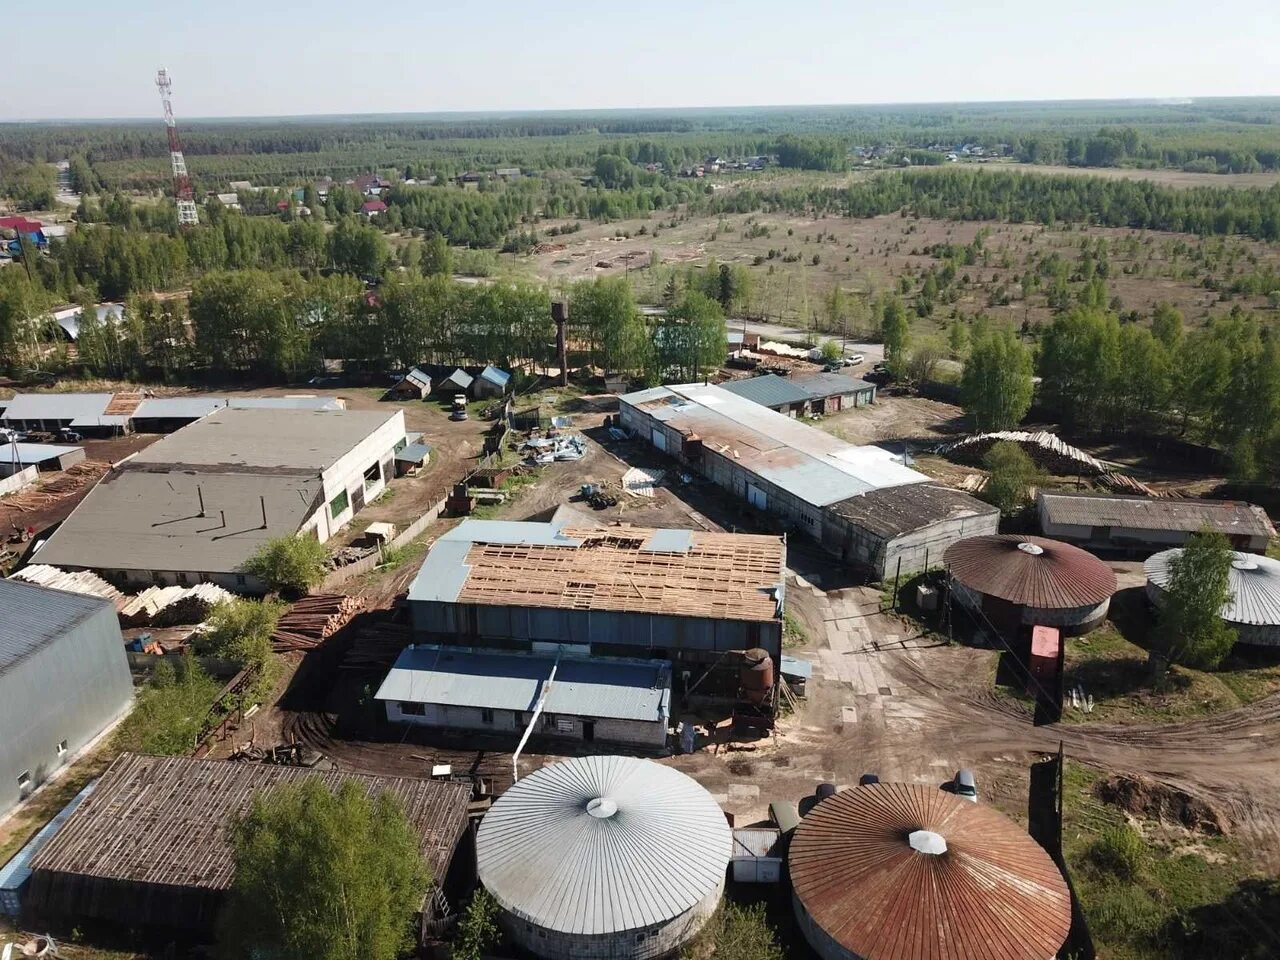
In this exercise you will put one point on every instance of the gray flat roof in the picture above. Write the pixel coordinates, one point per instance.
(267, 438)
(29, 453)
(822, 385)
(178, 408)
(135, 519)
(455, 676)
(806, 462)
(57, 406)
(770, 390)
(32, 616)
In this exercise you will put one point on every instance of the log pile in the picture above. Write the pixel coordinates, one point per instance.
(376, 647)
(1119, 483)
(161, 606)
(312, 620)
(1048, 450)
(73, 479)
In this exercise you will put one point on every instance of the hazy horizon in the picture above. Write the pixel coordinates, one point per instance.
(239, 61)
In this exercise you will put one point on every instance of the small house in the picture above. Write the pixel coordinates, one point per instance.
(457, 382)
(373, 208)
(491, 382)
(416, 385)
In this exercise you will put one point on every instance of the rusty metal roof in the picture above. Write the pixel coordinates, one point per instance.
(908, 871)
(1031, 571)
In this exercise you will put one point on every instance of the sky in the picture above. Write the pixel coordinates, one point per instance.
(80, 59)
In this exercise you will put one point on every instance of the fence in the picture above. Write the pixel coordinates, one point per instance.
(16, 481)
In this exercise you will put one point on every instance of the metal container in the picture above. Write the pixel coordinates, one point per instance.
(756, 675)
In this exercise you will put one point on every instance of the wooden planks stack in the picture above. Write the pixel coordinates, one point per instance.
(376, 647)
(312, 620)
(72, 479)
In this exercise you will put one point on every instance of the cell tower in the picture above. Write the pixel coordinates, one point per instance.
(182, 191)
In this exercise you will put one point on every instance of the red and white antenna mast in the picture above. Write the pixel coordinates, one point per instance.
(182, 191)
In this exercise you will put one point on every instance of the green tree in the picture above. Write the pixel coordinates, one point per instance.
(478, 931)
(957, 339)
(604, 315)
(240, 631)
(1011, 474)
(996, 385)
(322, 875)
(437, 258)
(357, 248)
(170, 710)
(1190, 625)
(291, 564)
(691, 340)
(830, 350)
(895, 331)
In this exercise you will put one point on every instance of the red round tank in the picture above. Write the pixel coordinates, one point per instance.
(756, 675)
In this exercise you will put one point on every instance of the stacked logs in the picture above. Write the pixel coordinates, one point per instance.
(376, 647)
(312, 620)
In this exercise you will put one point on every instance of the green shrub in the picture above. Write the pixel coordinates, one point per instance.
(170, 710)
(1120, 851)
(289, 564)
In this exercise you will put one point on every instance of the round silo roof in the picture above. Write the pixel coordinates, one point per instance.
(600, 845)
(1254, 583)
(906, 870)
(1031, 571)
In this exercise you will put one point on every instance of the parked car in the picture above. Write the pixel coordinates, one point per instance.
(70, 436)
(964, 785)
(854, 359)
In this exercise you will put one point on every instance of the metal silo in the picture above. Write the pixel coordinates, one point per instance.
(1254, 608)
(604, 857)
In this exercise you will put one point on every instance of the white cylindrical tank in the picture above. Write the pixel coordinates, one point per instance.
(604, 857)
(1254, 608)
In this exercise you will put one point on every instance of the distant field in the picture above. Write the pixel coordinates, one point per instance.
(1168, 178)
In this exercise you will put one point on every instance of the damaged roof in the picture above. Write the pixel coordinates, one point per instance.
(895, 511)
(1031, 571)
(1230, 517)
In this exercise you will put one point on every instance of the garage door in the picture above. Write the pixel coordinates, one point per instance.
(756, 497)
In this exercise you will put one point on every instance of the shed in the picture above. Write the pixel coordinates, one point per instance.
(1253, 611)
(906, 870)
(149, 846)
(772, 391)
(45, 457)
(457, 382)
(833, 392)
(589, 699)
(604, 857)
(1018, 581)
(1143, 525)
(415, 385)
(412, 457)
(491, 382)
(64, 678)
(758, 855)
(53, 411)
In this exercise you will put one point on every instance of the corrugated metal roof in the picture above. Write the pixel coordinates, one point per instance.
(414, 453)
(495, 376)
(30, 453)
(1031, 571)
(549, 857)
(756, 842)
(31, 616)
(819, 386)
(769, 390)
(178, 408)
(458, 378)
(418, 378)
(57, 406)
(611, 688)
(1254, 584)
(808, 463)
(993, 893)
(1230, 517)
(894, 511)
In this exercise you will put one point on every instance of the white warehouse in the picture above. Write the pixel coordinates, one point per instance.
(197, 504)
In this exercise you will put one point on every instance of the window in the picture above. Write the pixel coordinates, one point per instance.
(486, 715)
(372, 475)
(413, 709)
(240, 580)
(338, 505)
(157, 576)
(24, 779)
(62, 747)
(182, 576)
(401, 444)
(640, 937)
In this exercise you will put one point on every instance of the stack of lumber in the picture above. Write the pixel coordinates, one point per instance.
(72, 480)
(1119, 483)
(376, 647)
(73, 581)
(1048, 450)
(166, 606)
(312, 620)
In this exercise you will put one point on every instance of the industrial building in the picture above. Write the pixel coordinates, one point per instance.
(681, 595)
(1142, 525)
(45, 457)
(194, 506)
(109, 414)
(83, 412)
(890, 871)
(1015, 581)
(64, 678)
(150, 848)
(1253, 611)
(780, 394)
(861, 503)
(167, 414)
(587, 699)
(604, 857)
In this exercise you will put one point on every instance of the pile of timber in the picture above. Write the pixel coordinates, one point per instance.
(72, 581)
(72, 480)
(376, 647)
(1119, 483)
(312, 620)
(1048, 450)
(168, 606)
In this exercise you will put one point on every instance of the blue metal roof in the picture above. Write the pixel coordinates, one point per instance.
(495, 376)
(614, 688)
(770, 390)
(17, 871)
